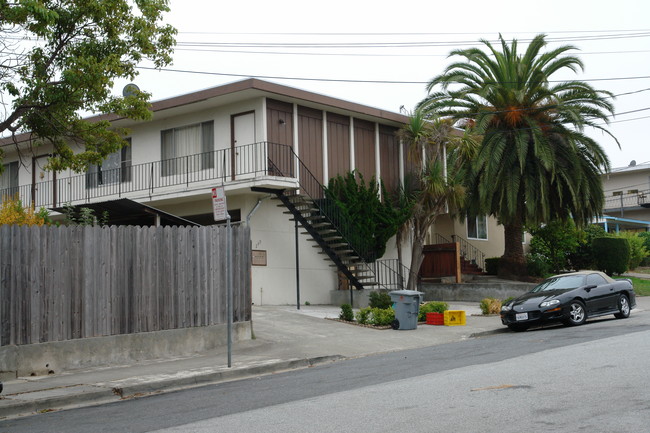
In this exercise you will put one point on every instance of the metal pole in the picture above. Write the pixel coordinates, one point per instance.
(297, 267)
(229, 288)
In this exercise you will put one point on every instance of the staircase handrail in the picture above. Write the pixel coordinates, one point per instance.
(327, 207)
(470, 252)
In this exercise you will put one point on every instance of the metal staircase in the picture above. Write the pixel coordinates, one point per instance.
(325, 223)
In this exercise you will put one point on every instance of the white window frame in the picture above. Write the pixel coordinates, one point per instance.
(476, 225)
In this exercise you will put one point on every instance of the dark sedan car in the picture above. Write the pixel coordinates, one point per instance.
(571, 299)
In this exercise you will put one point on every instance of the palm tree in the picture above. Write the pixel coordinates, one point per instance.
(535, 163)
(435, 187)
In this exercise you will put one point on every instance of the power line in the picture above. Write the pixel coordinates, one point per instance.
(341, 80)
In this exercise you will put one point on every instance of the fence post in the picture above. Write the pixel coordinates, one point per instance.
(457, 260)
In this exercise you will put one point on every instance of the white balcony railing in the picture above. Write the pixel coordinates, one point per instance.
(246, 162)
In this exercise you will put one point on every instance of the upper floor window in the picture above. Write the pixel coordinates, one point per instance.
(477, 227)
(114, 169)
(9, 179)
(617, 193)
(187, 148)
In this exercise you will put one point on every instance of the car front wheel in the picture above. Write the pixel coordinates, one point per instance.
(576, 314)
(623, 308)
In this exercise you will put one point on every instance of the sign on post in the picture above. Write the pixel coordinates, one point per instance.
(219, 207)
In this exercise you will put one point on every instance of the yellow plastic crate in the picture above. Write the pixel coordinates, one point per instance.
(455, 318)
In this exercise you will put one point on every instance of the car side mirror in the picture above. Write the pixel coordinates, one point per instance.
(588, 288)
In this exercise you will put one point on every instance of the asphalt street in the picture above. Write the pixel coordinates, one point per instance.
(589, 378)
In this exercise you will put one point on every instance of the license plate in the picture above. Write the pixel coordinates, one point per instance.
(521, 316)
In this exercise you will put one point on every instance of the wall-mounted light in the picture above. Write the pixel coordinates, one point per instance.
(282, 122)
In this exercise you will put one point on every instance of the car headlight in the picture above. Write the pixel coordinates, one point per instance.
(506, 307)
(549, 303)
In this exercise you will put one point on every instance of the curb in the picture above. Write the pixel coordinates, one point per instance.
(107, 392)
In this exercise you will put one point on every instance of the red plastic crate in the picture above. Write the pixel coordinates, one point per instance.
(435, 319)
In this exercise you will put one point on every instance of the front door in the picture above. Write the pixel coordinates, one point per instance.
(243, 155)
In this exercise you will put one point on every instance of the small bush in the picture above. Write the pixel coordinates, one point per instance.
(490, 306)
(537, 265)
(612, 255)
(346, 313)
(375, 316)
(363, 315)
(382, 316)
(492, 265)
(638, 251)
(431, 307)
(380, 299)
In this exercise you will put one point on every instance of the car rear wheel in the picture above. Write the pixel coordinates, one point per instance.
(518, 327)
(577, 314)
(623, 308)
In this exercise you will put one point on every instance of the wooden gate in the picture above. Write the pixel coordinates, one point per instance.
(441, 260)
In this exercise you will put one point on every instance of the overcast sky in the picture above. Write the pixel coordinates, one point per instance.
(405, 42)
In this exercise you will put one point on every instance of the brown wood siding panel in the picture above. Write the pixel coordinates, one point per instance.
(389, 157)
(410, 166)
(364, 148)
(338, 144)
(310, 139)
(279, 120)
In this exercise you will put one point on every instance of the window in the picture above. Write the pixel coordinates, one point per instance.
(195, 142)
(477, 227)
(632, 191)
(9, 179)
(595, 279)
(115, 168)
(617, 193)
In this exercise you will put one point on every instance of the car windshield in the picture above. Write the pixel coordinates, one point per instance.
(559, 283)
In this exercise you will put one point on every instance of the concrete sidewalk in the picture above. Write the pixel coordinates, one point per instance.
(285, 338)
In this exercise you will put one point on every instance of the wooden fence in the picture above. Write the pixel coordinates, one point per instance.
(63, 283)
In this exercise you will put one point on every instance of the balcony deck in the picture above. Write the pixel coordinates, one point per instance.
(256, 165)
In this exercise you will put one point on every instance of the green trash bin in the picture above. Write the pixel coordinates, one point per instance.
(406, 304)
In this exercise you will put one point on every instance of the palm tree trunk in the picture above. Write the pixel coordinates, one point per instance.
(513, 262)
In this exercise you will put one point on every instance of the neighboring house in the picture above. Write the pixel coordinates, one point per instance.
(627, 198)
(271, 147)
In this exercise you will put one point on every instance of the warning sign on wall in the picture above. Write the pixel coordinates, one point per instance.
(219, 206)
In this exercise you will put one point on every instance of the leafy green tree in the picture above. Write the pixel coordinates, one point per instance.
(535, 163)
(583, 257)
(556, 241)
(373, 221)
(437, 186)
(58, 58)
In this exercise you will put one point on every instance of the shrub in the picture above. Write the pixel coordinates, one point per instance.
(508, 299)
(381, 316)
(363, 315)
(431, 307)
(490, 306)
(555, 240)
(380, 299)
(612, 255)
(375, 316)
(346, 313)
(537, 265)
(646, 243)
(583, 256)
(492, 265)
(12, 211)
(638, 251)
